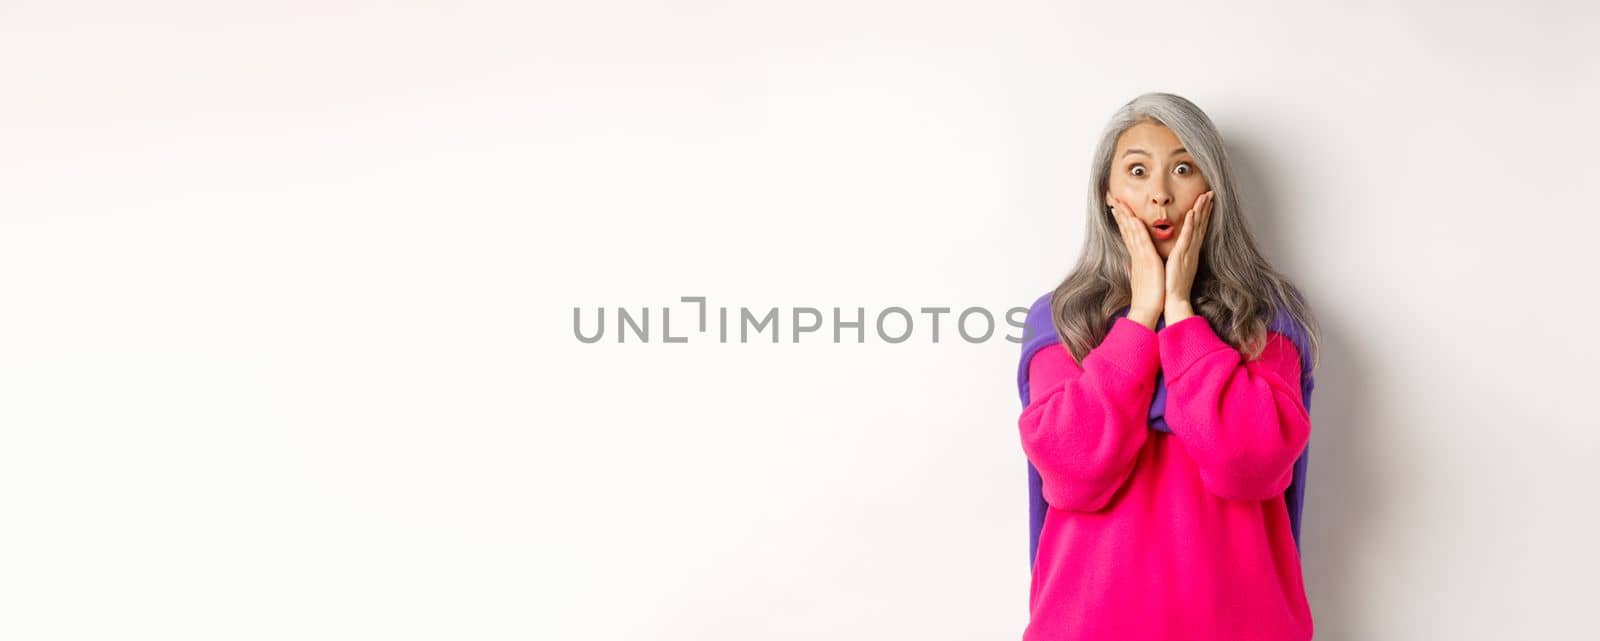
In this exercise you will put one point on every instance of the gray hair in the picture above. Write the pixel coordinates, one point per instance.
(1236, 289)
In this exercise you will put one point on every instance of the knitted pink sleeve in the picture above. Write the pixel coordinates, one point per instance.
(1084, 426)
(1243, 422)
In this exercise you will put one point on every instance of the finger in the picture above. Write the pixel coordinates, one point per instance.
(1197, 236)
(1122, 228)
(1202, 214)
(1138, 232)
(1200, 210)
(1116, 216)
(1187, 227)
(1184, 232)
(1195, 232)
(1126, 223)
(1182, 254)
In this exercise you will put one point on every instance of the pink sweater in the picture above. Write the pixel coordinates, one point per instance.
(1152, 536)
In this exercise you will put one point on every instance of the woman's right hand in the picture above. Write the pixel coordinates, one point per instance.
(1148, 273)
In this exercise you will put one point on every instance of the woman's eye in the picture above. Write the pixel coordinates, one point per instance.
(1183, 169)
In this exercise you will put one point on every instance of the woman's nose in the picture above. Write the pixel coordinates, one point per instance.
(1160, 198)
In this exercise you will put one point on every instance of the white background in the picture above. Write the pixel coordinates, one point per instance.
(288, 289)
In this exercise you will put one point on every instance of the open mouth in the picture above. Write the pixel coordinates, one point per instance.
(1162, 230)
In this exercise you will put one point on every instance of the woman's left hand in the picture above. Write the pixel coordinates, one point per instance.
(1185, 256)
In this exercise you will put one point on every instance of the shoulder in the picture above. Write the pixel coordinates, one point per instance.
(1040, 326)
(1286, 348)
(1041, 306)
(1049, 367)
(1039, 339)
(1279, 350)
(1286, 335)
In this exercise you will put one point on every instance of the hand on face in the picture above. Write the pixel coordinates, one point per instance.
(1146, 275)
(1185, 257)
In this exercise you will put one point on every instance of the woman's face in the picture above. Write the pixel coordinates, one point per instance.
(1152, 174)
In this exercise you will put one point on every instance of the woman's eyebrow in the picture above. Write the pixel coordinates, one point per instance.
(1141, 151)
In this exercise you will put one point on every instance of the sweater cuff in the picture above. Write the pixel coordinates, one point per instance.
(1131, 348)
(1185, 342)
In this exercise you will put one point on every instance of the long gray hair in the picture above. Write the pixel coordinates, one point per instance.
(1235, 288)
